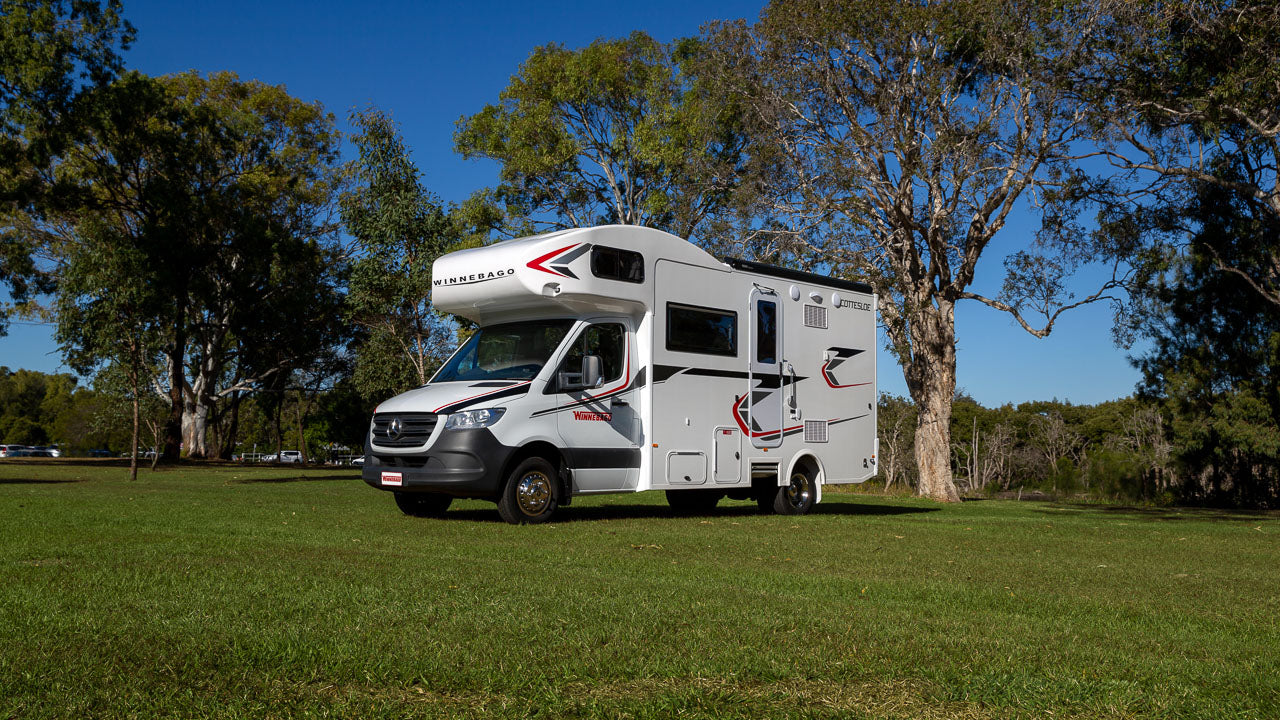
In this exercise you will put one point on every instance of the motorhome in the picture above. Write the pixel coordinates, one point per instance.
(623, 359)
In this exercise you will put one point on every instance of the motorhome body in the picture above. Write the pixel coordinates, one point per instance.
(623, 359)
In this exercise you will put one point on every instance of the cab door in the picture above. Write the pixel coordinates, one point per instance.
(600, 426)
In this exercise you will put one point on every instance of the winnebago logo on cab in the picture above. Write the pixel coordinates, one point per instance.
(473, 278)
(597, 416)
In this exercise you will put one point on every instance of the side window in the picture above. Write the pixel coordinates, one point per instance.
(702, 330)
(614, 264)
(608, 340)
(766, 332)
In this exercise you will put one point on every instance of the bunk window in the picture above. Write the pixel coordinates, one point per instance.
(614, 264)
(702, 330)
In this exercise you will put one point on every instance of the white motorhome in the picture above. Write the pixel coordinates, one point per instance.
(623, 359)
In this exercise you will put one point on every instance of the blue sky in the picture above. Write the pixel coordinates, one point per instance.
(431, 63)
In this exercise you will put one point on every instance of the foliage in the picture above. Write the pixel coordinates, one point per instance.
(400, 229)
(208, 215)
(40, 409)
(617, 132)
(53, 53)
(1215, 364)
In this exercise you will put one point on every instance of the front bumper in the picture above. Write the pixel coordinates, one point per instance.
(461, 463)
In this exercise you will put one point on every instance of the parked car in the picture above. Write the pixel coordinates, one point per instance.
(8, 450)
(41, 451)
(100, 453)
(290, 456)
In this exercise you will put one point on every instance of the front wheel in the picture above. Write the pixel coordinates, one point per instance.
(529, 496)
(423, 504)
(794, 498)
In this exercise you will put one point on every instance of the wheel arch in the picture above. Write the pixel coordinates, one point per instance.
(548, 452)
(806, 460)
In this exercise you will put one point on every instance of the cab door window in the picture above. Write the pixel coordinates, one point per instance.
(607, 340)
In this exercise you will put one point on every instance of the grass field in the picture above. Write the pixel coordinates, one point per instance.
(233, 592)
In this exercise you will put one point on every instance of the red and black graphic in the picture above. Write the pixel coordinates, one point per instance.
(841, 355)
(519, 388)
(557, 262)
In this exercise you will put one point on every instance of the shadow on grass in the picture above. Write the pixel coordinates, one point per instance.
(291, 479)
(1139, 512)
(34, 481)
(575, 513)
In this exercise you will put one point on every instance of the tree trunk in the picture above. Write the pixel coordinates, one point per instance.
(134, 372)
(302, 440)
(228, 448)
(931, 379)
(177, 379)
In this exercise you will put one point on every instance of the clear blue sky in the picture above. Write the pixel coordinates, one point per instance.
(431, 63)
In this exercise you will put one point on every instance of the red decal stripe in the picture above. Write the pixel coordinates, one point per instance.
(536, 263)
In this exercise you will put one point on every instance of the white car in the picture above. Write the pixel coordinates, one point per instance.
(290, 456)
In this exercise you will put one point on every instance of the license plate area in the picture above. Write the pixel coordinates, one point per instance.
(394, 479)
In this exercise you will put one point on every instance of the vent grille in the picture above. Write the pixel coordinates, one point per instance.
(815, 316)
(815, 431)
(415, 429)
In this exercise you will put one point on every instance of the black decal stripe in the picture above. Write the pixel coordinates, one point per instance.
(494, 383)
(602, 458)
(662, 373)
(511, 392)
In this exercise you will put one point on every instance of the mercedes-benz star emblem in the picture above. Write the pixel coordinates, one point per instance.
(393, 430)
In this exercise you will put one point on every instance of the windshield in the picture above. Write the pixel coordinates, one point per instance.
(511, 351)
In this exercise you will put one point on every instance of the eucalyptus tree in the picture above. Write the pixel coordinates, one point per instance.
(53, 53)
(903, 136)
(400, 228)
(616, 132)
(224, 189)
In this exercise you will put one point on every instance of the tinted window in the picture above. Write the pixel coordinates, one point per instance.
(766, 332)
(614, 264)
(606, 340)
(702, 330)
(512, 351)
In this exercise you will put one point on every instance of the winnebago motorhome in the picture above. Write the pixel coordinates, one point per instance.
(622, 359)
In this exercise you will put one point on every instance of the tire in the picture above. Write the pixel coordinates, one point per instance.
(796, 497)
(693, 502)
(529, 495)
(423, 504)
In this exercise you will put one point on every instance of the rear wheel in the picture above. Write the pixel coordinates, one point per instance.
(529, 494)
(693, 502)
(423, 504)
(794, 498)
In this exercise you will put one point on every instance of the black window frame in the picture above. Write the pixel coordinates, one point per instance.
(620, 259)
(702, 350)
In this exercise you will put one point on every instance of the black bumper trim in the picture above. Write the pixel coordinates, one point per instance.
(461, 463)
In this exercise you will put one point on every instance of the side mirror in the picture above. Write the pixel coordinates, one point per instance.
(591, 369)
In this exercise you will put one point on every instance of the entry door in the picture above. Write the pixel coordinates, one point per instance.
(600, 427)
(764, 405)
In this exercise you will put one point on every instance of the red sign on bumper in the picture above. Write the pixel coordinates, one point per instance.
(392, 478)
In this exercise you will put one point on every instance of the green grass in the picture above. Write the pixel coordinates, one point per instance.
(233, 592)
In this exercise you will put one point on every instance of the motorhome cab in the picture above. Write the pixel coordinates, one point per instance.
(622, 359)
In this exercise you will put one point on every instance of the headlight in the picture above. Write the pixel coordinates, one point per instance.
(472, 419)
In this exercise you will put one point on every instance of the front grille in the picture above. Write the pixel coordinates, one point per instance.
(415, 429)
